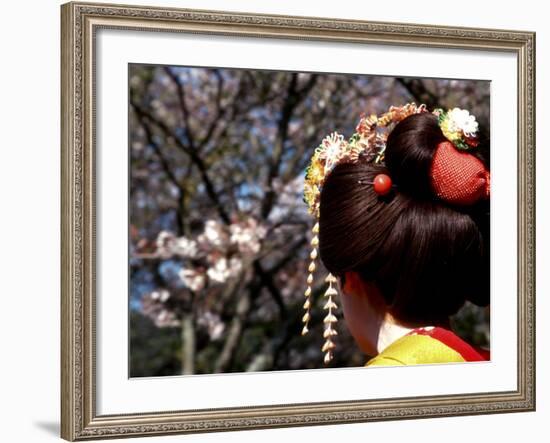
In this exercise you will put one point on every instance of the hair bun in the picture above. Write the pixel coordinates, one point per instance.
(424, 163)
(410, 151)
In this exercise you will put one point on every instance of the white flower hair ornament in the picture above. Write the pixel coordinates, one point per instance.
(459, 127)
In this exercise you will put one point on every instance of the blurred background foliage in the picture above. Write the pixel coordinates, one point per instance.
(218, 230)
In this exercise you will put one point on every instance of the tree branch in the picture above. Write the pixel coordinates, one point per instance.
(156, 148)
(235, 331)
(286, 259)
(417, 89)
(218, 113)
(167, 170)
(293, 99)
(193, 156)
(266, 279)
(183, 106)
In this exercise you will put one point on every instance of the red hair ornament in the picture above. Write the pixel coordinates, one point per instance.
(382, 184)
(458, 177)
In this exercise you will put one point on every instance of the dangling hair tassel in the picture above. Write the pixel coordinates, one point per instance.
(330, 319)
(311, 270)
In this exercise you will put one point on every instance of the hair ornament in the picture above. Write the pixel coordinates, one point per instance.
(382, 184)
(368, 143)
(457, 177)
(459, 127)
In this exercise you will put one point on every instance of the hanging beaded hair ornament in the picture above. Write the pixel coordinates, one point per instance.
(457, 177)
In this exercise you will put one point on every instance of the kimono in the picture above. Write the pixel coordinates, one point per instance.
(428, 345)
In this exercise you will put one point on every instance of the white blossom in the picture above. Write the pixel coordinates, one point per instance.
(193, 279)
(216, 330)
(160, 295)
(223, 269)
(460, 119)
(169, 245)
(166, 318)
(185, 247)
(153, 307)
(165, 244)
(247, 236)
(219, 272)
(235, 266)
(213, 324)
(213, 234)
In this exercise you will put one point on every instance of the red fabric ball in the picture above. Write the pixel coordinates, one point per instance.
(459, 177)
(382, 184)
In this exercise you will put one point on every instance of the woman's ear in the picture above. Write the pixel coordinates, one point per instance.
(352, 283)
(355, 286)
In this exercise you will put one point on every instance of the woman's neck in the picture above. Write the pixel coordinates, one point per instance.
(390, 332)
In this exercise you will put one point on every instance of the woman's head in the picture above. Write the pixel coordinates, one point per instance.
(425, 256)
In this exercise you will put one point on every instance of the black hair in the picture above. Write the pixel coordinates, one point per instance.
(426, 257)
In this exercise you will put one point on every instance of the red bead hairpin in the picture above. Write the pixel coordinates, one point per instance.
(382, 184)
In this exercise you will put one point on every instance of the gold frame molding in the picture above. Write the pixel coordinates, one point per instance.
(79, 22)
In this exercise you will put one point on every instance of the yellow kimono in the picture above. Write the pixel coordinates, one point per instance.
(428, 345)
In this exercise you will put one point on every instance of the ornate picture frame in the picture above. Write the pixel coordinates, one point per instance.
(80, 22)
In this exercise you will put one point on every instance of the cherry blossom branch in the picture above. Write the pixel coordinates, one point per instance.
(183, 105)
(218, 113)
(193, 156)
(293, 99)
(166, 168)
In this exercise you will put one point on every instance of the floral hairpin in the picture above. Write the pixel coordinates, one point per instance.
(459, 127)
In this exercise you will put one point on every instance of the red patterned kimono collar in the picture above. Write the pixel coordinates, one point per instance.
(453, 341)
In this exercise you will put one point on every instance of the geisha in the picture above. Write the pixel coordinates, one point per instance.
(402, 226)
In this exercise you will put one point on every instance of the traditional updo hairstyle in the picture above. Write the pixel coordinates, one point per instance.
(426, 256)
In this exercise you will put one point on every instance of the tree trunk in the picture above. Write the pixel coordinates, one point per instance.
(234, 334)
(187, 344)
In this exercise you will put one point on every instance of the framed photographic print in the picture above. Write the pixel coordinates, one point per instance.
(282, 221)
